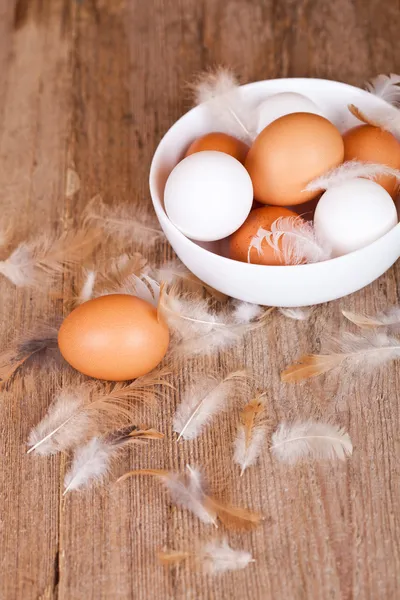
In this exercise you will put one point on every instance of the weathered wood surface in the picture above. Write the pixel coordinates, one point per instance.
(92, 85)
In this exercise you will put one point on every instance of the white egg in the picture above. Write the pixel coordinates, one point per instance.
(208, 195)
(279, 105)
(353, 214)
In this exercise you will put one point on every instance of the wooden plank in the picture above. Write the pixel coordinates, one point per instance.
(34, 124)
(92, 86)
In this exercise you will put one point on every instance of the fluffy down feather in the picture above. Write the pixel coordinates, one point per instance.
(232, 113)
(291, 443)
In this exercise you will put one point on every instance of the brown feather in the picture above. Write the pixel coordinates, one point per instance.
(141, 389)
(172, 557)
(234, 517)
(358, 114)
(250, 414)
(150, 472)
(311, 365)
(25, 348)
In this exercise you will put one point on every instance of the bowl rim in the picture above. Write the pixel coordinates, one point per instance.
(161, 214)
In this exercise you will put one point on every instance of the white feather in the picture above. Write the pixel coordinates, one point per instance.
(144, 287)
(87, 289)
(367, 350)
(244, 312)
(90, 463)
(246, 455)
(131, 221)
(351, 351)
(351, 170)
(257, 241)
(19, 268)
(386, 87)
(385, 117)
(51, 435)
(297, 314)
(170, 272)
(310, 439)
(203, 401)
(219, 557)
(187, 491)
(37, 262)
(200, 329)
(389, 318)
(292, 239)
(220, 90)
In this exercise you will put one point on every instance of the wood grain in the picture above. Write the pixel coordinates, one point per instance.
(92, 85)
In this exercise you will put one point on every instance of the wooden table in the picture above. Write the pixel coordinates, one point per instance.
(92, 85)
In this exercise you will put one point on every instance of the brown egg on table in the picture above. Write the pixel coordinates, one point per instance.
(220, 142)
(116, 337)
(241, 240)
(371, 144)
(288, 154)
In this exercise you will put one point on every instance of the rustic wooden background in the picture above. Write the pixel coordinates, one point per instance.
(92, 85)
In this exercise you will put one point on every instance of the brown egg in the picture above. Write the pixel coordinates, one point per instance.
(239, 242)
(116, 337)
(288, 154)
(221, 142)
(371, 144)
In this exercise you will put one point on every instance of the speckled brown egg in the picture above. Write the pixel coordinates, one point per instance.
(290, 153)
(116, 337)
(240, 241)
(371, 144)
(220, 142)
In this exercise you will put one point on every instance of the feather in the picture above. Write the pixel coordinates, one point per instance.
(32, 345)
(75, 413)
(389, 318)
(207, 397)
(244, 312)
(353, 351)
(87, 289)
(172, 557)
(297, 314)
(52, 434)
(144, 287)
(92, 461)
(291, 443)
(113, 278)
(188, 491)
(386, 87)
(118, 269)
(386, 117)
(36, 263)
(351, 169)
(199, 329)
(251, 433)
(142, 390)
(220, 90)
(220, 557)
(233, 517)
(126, 221)
(293, 240)
(214, 557)
(174, 272)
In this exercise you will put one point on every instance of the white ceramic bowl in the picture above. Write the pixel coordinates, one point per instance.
(301, 285)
